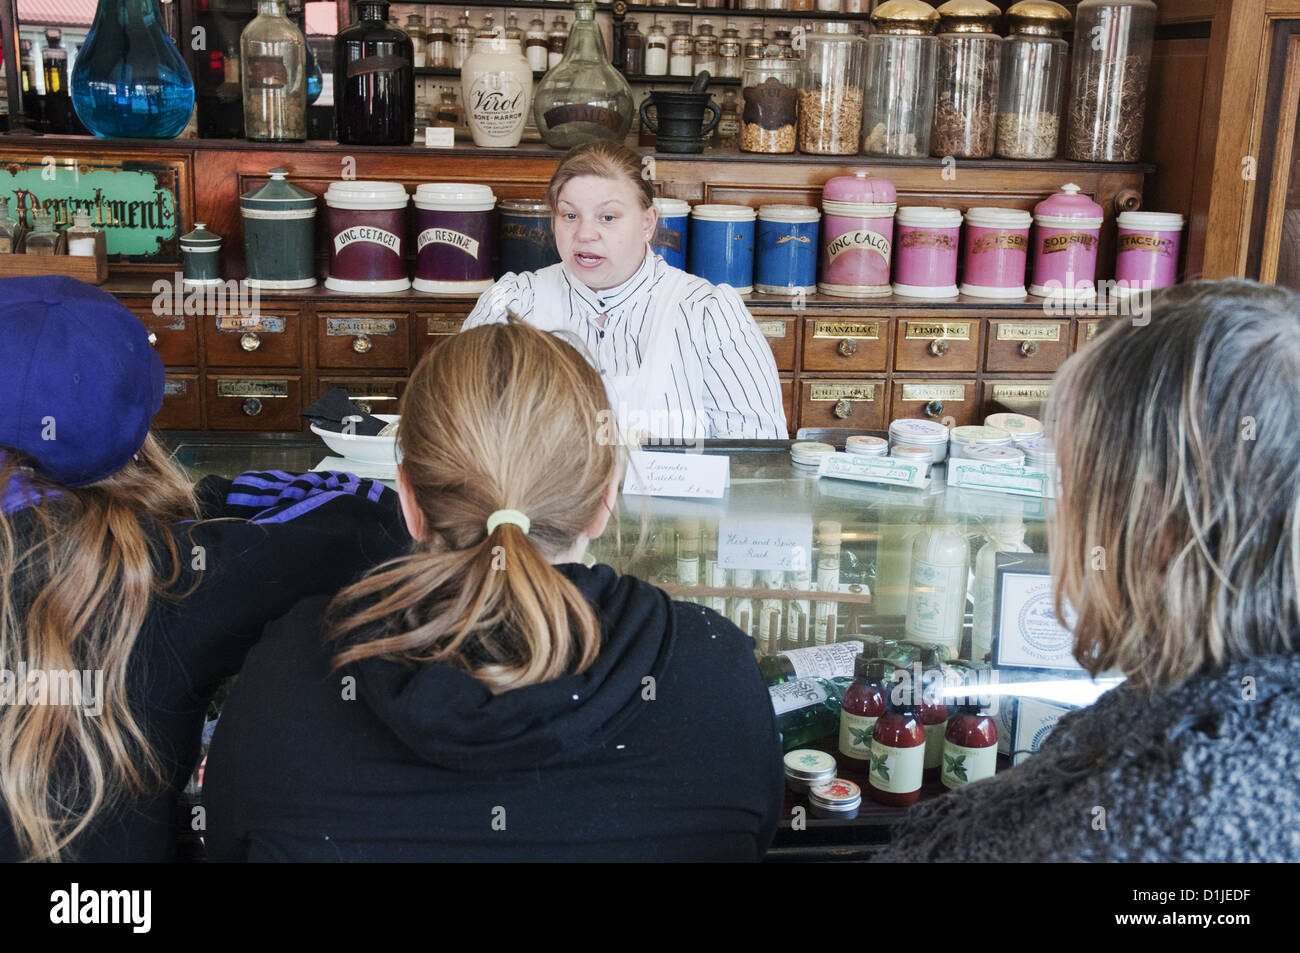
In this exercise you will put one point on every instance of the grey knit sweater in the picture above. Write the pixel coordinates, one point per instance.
(1197, 773)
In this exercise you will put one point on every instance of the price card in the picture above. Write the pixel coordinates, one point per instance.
(758, 543)
(887, 470)
(999, 477)
(676, 474)
(439, 137)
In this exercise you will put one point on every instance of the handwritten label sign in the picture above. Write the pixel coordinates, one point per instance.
(849, 466)
(1000, 478)
(747, 543)
(439, 137)
(676, 474)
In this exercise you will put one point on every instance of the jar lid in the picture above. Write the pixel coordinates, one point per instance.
(1069, 206)
(773, 64)
(200, 238)
(1038, 18)
(459, 196)
(809, 451)
(1154, 221)
(974, 434)
(1038, 447)
(996, 455)
(672, 208)
(968, 16)
(923, 216)
(906, 451)
(905, 17)
(1010, 218)
(860, 188)
(498, 45)
(788, 213)
(836, 796)
(1018, 425)
(917, 431)
(278, 194)
(519, 206)
(810, 765)
(838, 30)
(365, 196)
(724, 213)
(871, 446)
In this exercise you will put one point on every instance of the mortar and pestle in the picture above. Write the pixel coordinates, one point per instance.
(680, 124)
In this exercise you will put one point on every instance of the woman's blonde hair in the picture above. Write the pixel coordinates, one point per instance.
(75, 591)
(606, 159)
(1176, 537)
(502, 416)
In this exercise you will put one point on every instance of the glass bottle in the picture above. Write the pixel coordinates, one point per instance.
(1034, 55)
(750, 5)
(374, 81)
(58, 104)
(448, 114)
(32, 101)
(43, 239)
(437, 44)
(681, 50)
(273, 64)
(830, 102)
(315, 77)
(633, 49)
(777, 5)
(755, 43)
(656, 51)
(536, 45)
(688, 553)
(83, 239)
(487, 29)
(513, 32)
(933, 709)
(899, 109)
(557, 39)
(771, 614)
(970, 747)
(828, 580)
(741, 609)
(936, 603)
(706, 50)
(862, 706)
(1112, 56)
(417, 31)
(583, 97)
(807, 709)
(11, 232)
(897, 756)
(462, 35)
(1004, 536)
(819, 661)
(129, 80)
(966, 80)
(729, 54)
(784, 45)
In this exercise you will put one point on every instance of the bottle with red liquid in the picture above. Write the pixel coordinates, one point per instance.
(897, 755)
(862, 705)
(933, 709)
(970, 747)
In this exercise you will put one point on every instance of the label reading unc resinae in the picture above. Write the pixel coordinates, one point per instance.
(447, 236)
(791, 696)
(826, 661)
(855, 735)
(365, 233)
(962, 765)
(897, 770)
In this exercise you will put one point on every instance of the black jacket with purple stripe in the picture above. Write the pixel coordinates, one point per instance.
(291, 536)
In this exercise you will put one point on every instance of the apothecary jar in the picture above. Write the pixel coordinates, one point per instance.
(900, 80)
(1033, 76)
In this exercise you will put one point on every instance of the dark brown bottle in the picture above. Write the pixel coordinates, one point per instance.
(374, 80)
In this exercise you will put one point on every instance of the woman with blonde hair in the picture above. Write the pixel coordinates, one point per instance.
(119, 614)
(682, 359)
(1176, 541)
(489, 696)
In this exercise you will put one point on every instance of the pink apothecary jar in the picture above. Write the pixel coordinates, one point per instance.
(857, 235)
(1148, 250)
(1066, 236)
(995, 252)
(925, 249)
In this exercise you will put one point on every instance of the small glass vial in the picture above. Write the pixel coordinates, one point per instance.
(462, 36)
(829, 535)
(681, 50)
(488, 28)
(449, 113)
(727, 135)
(43, 239)
(559, 38)
(437, 44)
(755, 43)
(11, 232)
(513, 32)
(784, 45)
(1034, 55)
(83, 239)
(656, 51)
(729, 54)
(537, 44)
(417, 31)
(706, 50)
(633, 49)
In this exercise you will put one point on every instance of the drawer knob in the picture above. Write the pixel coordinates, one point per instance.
(848, 347)
(153, 339)
(933, 409)
(938, 347)
(361, 343)
(363, 405)
(250, 342)
(1028, 348)
(252, 407)
(843, 409)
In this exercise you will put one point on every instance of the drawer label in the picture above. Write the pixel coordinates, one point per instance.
(1021, 391)
(934, 392)
(175, 388)
(350, 327)
(1091, 331)
(243, 324)
(843, 392)
(229, 388)
(1029, 332)
(382, 390)
(863, 330)
(444, 325)
(772, 328)
(929, 330)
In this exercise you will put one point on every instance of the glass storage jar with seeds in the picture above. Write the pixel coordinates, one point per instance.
(1033, 76)
(1112, 57)
(900, 80)
(966, 80)
(770, 112)
(830, 100)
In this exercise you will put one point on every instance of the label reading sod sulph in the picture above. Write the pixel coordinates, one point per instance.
(962, 765)
(365, 233)
(791, 696)
(855, 735)
(897, 770)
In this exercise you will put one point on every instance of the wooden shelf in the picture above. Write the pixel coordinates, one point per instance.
(635, 10)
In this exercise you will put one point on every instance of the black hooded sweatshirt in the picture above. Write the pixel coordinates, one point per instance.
(666, 748)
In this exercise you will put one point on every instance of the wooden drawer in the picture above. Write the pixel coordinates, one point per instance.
(1018, 396)
(858, 404)
(1085, 332)
(787, 401)
(954, 402)
(1027, 346)
(845, 344)
(434, 327)
(174, 337)
(376, 395)
(924, 344)
(254, 402)
(779, 332)
(374, 339)
(261, 340)
(181, 407)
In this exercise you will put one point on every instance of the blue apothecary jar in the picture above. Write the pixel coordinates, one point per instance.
(787, 249)
(670, 234)
(722, 245)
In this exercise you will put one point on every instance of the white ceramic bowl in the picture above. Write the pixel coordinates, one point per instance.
(380, 451)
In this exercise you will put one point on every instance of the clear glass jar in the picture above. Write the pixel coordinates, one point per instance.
(10, 230)
(656, 51)
(706, 50)
(273, 60)
(417, 31)
(966, 80)
(583, 97)
(437, 44)
(449, 114)
(729, 54)
(488, 28)
(84, 240)
(769, 120)
(755, 43)
(462, 35)
(537, 44)
(1033, 75)
(900, 81)
(513, 32)
(750, 5)
(43, 239)
(633, 49)
(784, 45)
(681, 50)
(727, 134)
(830, 100)
(777, 5)
(1112, 57)
(858, 7)
(830, 6)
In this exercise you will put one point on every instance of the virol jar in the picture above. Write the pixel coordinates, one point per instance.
(453, 238)
(367, 237)
(925, 251)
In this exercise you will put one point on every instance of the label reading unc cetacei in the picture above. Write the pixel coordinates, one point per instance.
(365, 233)
(447, 236)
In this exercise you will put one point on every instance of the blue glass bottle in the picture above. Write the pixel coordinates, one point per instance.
(315, 78)
(130, 80)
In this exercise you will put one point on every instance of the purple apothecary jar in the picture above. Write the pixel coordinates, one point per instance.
(925, 249)
(367, 237)
(857, 235)
(995, 252)
(1067, 232)
(1148, 250)
(453, 238)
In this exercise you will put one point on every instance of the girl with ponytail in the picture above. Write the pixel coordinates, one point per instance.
(490, 682)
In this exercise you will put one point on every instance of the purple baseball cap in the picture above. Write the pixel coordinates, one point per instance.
(79, 382)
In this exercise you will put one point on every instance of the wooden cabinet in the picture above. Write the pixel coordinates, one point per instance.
(172, 336)
(264, 339)
(182, 407)
(1019, 346)
(852, 345)
(374, 395)
(858, 404)
(937, 344)
(363, 338)
(249, 402)
(954, 401)
(781, 331)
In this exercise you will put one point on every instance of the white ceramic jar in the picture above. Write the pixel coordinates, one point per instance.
(497, 84)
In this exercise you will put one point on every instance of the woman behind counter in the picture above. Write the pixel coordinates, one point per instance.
(681, 359)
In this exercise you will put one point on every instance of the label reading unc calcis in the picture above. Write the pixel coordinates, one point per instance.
(447, 236)
(827, 661)
(897, 770)
(364, 233)
(962, 765)
(862, 239)
(855, 735)
(791, 696)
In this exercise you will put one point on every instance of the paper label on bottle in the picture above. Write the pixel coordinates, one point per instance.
(376, 64)
(824, 661)
(583, 112)
(447, 236)
(855, 735)
(366, 233)
(791, 696)
(688, 572)
(897, 770)
(962, 765)
(860, 239)
(1057, 243)
(937, 603)
(934, 742)
(266, 72)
